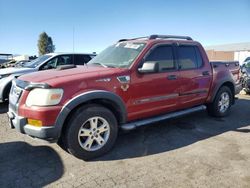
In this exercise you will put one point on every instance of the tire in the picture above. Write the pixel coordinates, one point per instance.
(98, 133)
(216, 107)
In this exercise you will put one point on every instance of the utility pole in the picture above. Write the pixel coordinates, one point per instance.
(73, 39)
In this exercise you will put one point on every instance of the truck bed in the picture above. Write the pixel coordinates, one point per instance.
(232, 66)
(221, 68)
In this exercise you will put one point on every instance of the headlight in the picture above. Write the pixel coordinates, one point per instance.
(4, 75)
(44, 97)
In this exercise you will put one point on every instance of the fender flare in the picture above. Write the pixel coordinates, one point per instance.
(85, 97)
(218, 86)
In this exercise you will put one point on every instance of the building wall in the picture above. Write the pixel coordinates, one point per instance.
(21, 57)
(220, 55)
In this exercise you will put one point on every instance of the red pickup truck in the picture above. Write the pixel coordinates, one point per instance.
(132, 83)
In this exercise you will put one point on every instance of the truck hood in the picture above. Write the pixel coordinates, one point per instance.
(54, 76)
(16, 70)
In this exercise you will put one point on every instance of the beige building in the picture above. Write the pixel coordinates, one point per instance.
(21, 57)
(231, 52)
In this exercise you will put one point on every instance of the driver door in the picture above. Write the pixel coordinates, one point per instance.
(158, 92)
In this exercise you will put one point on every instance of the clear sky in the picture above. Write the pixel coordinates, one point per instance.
(99, 23)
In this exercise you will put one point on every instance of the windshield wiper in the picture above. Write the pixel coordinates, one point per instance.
(106, 66)
(100, 64)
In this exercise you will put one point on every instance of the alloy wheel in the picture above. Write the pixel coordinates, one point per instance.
(224, 102)
(94, 133)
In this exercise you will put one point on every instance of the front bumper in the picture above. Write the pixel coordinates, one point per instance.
(48, 133)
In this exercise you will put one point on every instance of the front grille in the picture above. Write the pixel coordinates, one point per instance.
(15, 94)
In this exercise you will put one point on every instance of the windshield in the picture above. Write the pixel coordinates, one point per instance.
(37, 62)
(121, 55)
(247, 59)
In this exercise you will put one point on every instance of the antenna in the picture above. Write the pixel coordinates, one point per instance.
(73, 39)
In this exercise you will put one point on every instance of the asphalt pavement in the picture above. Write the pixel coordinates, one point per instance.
(193, 151)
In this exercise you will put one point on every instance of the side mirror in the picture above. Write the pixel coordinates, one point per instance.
(149, 67)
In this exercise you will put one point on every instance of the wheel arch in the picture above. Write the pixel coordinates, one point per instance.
(227, 83)
(104, 98)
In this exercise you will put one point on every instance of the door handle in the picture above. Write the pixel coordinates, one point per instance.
(205, 73)
(172, 77)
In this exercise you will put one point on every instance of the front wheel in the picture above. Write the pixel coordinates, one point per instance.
(220, 107)
(91, 132)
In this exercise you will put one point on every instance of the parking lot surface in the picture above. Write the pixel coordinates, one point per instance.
(193, 151)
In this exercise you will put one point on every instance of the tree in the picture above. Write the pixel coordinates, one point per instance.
(45, 44)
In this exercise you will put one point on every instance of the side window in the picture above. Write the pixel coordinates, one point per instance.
(50, 64)
(64, 60)
(81, 59)
(189, 57)
(164, 56)
(87, 58)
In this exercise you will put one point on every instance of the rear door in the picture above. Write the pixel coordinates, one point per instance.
(155, 93)
(195, 76)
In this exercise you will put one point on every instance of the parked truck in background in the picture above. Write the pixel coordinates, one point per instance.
(130, 84)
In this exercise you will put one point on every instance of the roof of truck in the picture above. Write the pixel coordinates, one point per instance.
(159, 37)
(154, 39)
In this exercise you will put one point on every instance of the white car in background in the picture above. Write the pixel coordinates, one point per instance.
(44, 62)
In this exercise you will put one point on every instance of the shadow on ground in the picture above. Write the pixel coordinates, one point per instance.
(3, 107)
(23, 165)
(174, 134)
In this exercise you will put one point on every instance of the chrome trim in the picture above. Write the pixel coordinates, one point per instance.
(14, 97)
(104, 80)
(158, 98)
(31, 127)
(124, 79)
(194, 92)
(135, 124)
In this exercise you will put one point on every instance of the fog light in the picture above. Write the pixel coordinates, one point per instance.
(35, 122)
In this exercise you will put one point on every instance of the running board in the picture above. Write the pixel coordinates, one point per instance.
(135, 124)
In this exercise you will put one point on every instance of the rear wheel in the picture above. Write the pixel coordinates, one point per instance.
(91, 132)
(220, 107)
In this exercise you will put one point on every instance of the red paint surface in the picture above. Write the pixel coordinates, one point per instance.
(142, 86)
